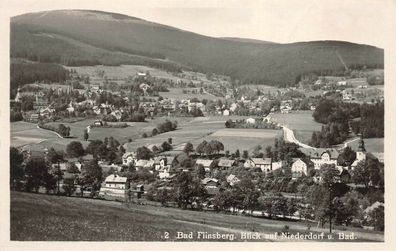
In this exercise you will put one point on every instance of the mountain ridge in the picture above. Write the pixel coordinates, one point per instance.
(248, 60)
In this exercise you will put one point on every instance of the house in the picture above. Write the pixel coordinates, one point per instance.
(232, 179)
(34, 117)
(114, 186)
(226, 163)
(106, 167)
(62, 166)
(143, 163)
(117, 114)
(46, 112)
(206, 163)
(211, 185)
(164, 161)
(320, 156)
(98, 123)
(226, 112)
(278, 165)
(301, 166)
(233, 107)
(129, 158)
(250, 121)
(263, 163)
(165, 165)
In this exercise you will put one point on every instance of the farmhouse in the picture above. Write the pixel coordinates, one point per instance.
(263, 163)
(301, 167)
(226, 163)
(278, 165)
(206, 163)
(164, 162)
(114, 185)
(34, 117)
(250, 121)
(142, 163)
(232, 179)
(165, 166)
(211, 185)
(320, 156)
(128, 158)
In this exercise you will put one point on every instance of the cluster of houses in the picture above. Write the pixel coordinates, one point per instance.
(167, 168)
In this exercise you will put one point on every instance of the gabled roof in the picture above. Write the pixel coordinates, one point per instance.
(232, 177)
(207, 180)
(113, 178)
(204, 162)
(261, 161)
(226, 162)
(316, 153)
(144, 163)
(127, 154)
(307, 161)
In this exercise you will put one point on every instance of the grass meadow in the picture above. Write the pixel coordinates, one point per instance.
(301, 122)
(39, 217)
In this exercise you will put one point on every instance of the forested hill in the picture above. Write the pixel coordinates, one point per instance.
(79, 37)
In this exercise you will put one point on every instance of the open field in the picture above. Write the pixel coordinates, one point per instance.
(243, 139)
(24, 133)
(210, 128)
(177, 93)
(264, 88)
(38, 217)
(123, 71)
(301, 122)
(371, 145)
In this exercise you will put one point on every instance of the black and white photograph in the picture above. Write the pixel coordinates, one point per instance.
(211, 121)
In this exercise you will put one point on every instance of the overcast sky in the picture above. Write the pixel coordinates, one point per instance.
(284, 21)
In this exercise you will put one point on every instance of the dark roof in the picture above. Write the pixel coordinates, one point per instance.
(318, 152)
(226, 162)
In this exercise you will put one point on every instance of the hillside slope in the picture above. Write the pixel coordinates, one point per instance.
(110, 38)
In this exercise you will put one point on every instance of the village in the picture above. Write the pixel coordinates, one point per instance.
(210, 173)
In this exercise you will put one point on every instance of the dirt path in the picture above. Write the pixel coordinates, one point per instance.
(289, 136)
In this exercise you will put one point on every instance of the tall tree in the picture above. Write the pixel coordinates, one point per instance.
(188, 148)
(91, 176)
(75, 149)
(16, 159)
(36, 170)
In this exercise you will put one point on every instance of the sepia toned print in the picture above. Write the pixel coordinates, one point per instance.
(123, 129)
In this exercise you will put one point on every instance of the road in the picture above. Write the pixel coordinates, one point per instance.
(288, 135)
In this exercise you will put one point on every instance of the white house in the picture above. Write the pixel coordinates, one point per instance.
(250, 121)
(226, 163)
(114, 185)
(263, 163)
(320, 156)
(129, 158)
(226, 112)
(206, 163)
(232, 179)
(301, 167)
(278, 165)
(165, 166)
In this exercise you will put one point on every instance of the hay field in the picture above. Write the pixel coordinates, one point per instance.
(301, 122)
